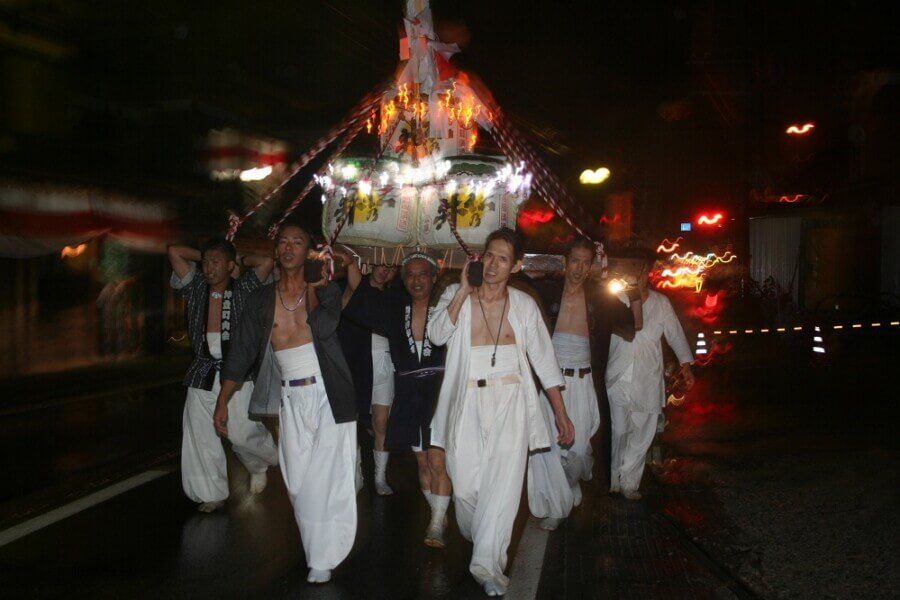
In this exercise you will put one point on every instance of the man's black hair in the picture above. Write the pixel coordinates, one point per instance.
(581, 242)
(221, 244)
(509, 236)
(291, 223)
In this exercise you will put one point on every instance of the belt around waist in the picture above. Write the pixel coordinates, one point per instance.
(298, 382)
(581, 372)
(495, 380)
(420, 373)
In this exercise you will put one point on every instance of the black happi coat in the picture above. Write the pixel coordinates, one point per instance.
(416, 382)
(356, 342)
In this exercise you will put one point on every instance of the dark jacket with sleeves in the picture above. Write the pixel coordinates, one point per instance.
(417, 380)
(193, 288)
(606, 315)
(356, 341)
(251, 351)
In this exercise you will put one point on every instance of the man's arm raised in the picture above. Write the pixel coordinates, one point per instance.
(462, 293)
(262, 265)
(181, 257)
(442, 327)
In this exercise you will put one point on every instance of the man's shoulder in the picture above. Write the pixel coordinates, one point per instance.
(522, 298)
(659, 297)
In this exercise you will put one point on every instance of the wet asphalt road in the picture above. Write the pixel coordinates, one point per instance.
(768, 458)
(61, 450)
(151, 542)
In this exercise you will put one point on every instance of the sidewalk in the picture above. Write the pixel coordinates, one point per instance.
(613, 548)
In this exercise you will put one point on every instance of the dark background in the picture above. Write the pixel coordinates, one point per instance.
(685, 102)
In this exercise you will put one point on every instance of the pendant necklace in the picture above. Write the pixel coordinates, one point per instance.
(215, 295)
(297, 305)
(499, 328)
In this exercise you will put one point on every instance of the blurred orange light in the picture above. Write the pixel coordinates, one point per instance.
(70, 252)
(671, 247)
(800, 129)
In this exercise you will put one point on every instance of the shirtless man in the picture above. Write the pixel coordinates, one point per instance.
(489, 414)
(582, 317)
(214, 306)
(290, 333)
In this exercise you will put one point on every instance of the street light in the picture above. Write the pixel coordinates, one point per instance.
(589, 177)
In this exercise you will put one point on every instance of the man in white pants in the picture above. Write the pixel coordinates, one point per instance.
(289, 333)
(636, 386)
(582, 318)
(489, 414)
(214, 303)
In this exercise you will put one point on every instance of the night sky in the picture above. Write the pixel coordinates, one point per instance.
(686, 103)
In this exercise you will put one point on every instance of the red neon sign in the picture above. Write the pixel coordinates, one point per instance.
(532, 217)
(705, 219)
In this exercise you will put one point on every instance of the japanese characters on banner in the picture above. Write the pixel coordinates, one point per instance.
(395, 204)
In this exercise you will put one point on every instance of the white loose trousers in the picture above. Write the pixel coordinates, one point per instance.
(550, 493)
(319, 463)
(204, 472)
(487, 473)
(632, 435)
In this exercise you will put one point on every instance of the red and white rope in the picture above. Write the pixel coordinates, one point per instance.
(356, 115)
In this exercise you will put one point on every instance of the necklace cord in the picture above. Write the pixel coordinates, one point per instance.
(488, 325)
(299, 302)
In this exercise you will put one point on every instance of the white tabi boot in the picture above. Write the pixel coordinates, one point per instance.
(208, 507)
(550, 523)
(258, 482)
(493, 589)
(319, 576)
(381, 485)
(434, 535)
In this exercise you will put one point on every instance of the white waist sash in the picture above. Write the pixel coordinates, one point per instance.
(572, 351)
(298, 362)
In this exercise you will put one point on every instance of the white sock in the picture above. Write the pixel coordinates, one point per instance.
(258, 482)
(438, 510)
(381, 461)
